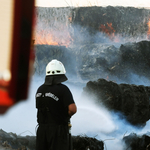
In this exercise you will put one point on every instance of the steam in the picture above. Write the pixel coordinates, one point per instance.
(96, 121)
(91, 120)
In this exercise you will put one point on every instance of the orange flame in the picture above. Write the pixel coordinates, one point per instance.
(109, 30)
(148, 32)
(44, 37)
(45, 40)
(70, 19)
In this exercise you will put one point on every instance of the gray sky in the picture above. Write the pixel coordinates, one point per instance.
(77, 3)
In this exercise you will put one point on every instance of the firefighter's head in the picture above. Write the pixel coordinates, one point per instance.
(56, 69)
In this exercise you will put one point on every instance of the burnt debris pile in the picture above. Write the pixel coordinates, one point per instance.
(11, 141)
(85, 143)
(105, 22)
(107, 61)
(89, 38)
(137, 142)
(131, 101)
(91, 24)
(94, 61)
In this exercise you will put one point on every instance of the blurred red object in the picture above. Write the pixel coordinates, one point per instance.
(17, 53)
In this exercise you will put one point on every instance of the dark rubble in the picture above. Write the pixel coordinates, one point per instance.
(86, 143)
(132, 101)
(137, 142)
(105, 60)
(91, 48)
(11, 141)
(89, 22)
(94, 61)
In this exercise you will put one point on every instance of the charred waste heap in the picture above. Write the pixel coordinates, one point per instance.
(11, 141)
(66, 25)
(95, 40)
(91, 62)
(130, 100)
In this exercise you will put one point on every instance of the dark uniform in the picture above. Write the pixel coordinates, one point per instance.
(52, 101)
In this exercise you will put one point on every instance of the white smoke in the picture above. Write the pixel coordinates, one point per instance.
(93, 120)
(90, 120)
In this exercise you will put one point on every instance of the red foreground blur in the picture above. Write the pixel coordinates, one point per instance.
(21, 57)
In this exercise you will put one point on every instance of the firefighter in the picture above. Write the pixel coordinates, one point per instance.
(55, 106)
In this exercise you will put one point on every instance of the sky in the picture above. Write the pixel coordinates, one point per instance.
(78, 3)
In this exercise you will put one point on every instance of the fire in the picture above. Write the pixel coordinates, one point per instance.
(70, 19)
(110, 31)
(47, 37)
(45, 40)
(148, 32)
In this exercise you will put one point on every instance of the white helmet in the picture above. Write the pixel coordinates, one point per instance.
(55, 67)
